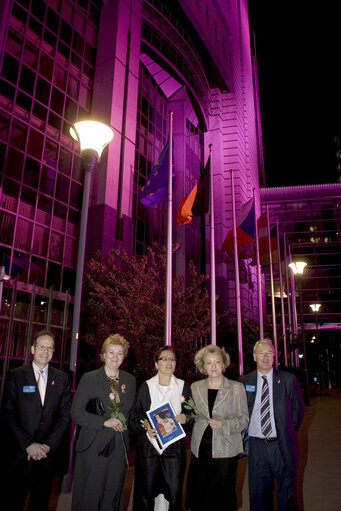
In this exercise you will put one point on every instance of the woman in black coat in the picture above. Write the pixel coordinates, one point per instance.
(159, 473)
(103, 442)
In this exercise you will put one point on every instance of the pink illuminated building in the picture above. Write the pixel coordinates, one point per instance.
(126, 63)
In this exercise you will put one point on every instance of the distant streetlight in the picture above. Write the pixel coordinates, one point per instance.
(298, 269)
(315, 307)
(93, 137)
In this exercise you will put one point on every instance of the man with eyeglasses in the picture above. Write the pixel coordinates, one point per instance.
(36, 411)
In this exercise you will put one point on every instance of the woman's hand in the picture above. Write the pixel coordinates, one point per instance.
(146, 426)
(115, 424)
(181, 418)
(215, 424)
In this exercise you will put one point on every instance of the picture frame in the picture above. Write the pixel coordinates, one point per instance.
(168, 430)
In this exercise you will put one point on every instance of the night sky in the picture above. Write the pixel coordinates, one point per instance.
(298, 52)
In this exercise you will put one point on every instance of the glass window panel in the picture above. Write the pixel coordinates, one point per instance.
(27, 78)
(10, 195)
(4, 126)
(57, 101)
(14, 163)
(14, 43)
(56, 247)
(7, 90)
(19, 13)
(46, 66)
(66, 128)
(38, 9)
(44, 210)
(24, 101)
(50, 38)
(40, 309)
(6, 227)
(68, 280)
(59, 217)
(23, 236)
(76, 195)
(18, 336)
(31, 172)
(35, 143)
(35, 26)
(70, 252)
(18, 134)
(84, 97)
(10, 68)
(59, 77)
(52, 20)
(73, 87)
(40, 241)
(62, 189)
(39, 111)
(37, 271)
(78, 169)
(65, 32)
(55, 121)
(63, 49)
(43, 91)
(65, 159)
(76, 60)
(54, 275)
(51, 153)
(27, 203)
(73, 222)
(78, 43)
(30, 55)
(70, 110)
(47, 180)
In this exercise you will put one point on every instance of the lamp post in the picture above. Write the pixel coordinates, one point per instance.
(298, 268)
(93, 137)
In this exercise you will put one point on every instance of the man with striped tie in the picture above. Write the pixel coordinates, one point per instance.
(276, 409)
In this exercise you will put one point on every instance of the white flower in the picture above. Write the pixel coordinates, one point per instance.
(182, 399)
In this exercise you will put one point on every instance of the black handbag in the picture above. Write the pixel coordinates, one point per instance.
(95, 406)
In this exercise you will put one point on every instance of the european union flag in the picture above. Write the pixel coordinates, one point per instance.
(156, 186)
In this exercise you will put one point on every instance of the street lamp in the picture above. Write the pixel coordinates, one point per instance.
(298, 268)
(315, 307)
(93, 137)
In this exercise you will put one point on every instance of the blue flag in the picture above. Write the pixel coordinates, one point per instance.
(155, 188)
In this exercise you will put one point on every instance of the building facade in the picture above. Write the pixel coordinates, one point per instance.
(128, 64)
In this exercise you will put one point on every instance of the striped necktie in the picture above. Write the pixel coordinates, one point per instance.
(265, 420)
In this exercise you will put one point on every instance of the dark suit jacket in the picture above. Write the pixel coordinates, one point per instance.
(26, 419)
(288, 410)
(95, 385)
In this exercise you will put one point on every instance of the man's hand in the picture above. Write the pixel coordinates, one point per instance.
(37, 451)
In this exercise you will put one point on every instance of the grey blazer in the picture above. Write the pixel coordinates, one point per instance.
(230, 408)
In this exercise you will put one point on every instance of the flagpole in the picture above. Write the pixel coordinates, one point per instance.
(273, 309)
(213, 291)
(279, 259)
(236, 271)
(259, 276)
(168, 316)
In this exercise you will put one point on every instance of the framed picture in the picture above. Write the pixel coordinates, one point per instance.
(168, 430)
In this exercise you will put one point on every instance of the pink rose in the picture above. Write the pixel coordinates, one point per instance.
(112, 396)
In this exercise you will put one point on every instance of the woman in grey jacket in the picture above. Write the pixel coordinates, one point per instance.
(221, 415)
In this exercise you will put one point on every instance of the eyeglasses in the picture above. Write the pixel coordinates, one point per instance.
(167, 359)
(44, 348)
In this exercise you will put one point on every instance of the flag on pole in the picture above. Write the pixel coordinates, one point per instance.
(264, 241)
(155, 188)
(197, 202)
(245, 228)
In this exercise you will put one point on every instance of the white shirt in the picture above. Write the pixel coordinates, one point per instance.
(255, 425)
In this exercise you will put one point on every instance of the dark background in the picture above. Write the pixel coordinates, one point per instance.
(298, 47)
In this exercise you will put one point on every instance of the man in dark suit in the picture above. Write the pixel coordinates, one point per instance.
(276, 411)
(36, 412)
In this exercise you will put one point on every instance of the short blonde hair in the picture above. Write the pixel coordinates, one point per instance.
(115, 339)
(199, 358)
(263, 341)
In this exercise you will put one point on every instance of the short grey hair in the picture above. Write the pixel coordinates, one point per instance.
(263, 341)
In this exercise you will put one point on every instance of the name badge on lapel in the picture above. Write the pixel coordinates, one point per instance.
(250, 388)
(29, 388)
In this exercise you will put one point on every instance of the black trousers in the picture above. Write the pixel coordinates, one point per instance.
(266, 464)
(155, 474)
